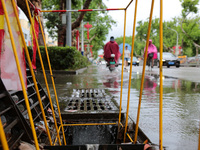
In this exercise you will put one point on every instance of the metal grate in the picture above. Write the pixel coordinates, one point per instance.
(83, 100)
(89, 104)
(88, 93)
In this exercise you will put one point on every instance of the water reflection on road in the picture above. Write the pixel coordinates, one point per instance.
(180, 102)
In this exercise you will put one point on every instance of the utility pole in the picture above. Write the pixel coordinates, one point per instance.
(82, 38)
(68, 24)
(82, 35)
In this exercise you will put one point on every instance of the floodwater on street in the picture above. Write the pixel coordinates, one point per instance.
(181, 102)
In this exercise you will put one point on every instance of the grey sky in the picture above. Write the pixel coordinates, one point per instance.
(171, 8)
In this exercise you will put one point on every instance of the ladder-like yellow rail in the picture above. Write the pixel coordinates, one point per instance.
(122, 71)
(143, 73)
(20, 76)
(52, 79)
(44, 74)
(32, 72)
(130, 73)
(2, 134)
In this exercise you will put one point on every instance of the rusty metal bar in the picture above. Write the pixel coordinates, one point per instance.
(129, 4)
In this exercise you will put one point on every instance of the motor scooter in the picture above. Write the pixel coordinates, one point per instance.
(111, 63)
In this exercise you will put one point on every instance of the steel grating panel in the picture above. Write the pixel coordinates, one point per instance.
(89, 93)
(84, 100)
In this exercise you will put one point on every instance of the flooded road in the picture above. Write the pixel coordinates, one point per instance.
(181, 102)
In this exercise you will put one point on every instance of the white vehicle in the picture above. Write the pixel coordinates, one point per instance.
(120, 62)
(135, 61)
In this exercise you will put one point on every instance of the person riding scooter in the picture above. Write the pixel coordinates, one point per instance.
(111, 47)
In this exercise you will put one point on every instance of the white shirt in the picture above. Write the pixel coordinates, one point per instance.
(126, 53)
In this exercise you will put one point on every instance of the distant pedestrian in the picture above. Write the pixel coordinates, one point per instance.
(126, 56)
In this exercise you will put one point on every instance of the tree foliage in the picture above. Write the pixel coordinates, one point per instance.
(185, 40)
(192, 31)
(100, 21)
(189, 6)
(169, 36)
(190, 25)
(187, 25)
(62, 58)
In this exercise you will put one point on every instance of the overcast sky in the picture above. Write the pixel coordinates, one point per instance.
(171, 8)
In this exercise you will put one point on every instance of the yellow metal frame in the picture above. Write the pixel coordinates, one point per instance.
(32, 72)
(130, 73)
(20, 76)
(44, 74)
(89, 124)
(161, 79)
(122, 72)
(143, 73)
(3, 137)
(52, 79)
(2, 134)
(129, 137)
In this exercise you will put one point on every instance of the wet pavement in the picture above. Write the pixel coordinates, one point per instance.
(180, 99)
(185, 73)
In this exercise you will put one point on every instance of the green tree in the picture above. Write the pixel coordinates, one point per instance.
(142, 29)
(190, 25)
(100, 20)
(191, 32)
(169, 36)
